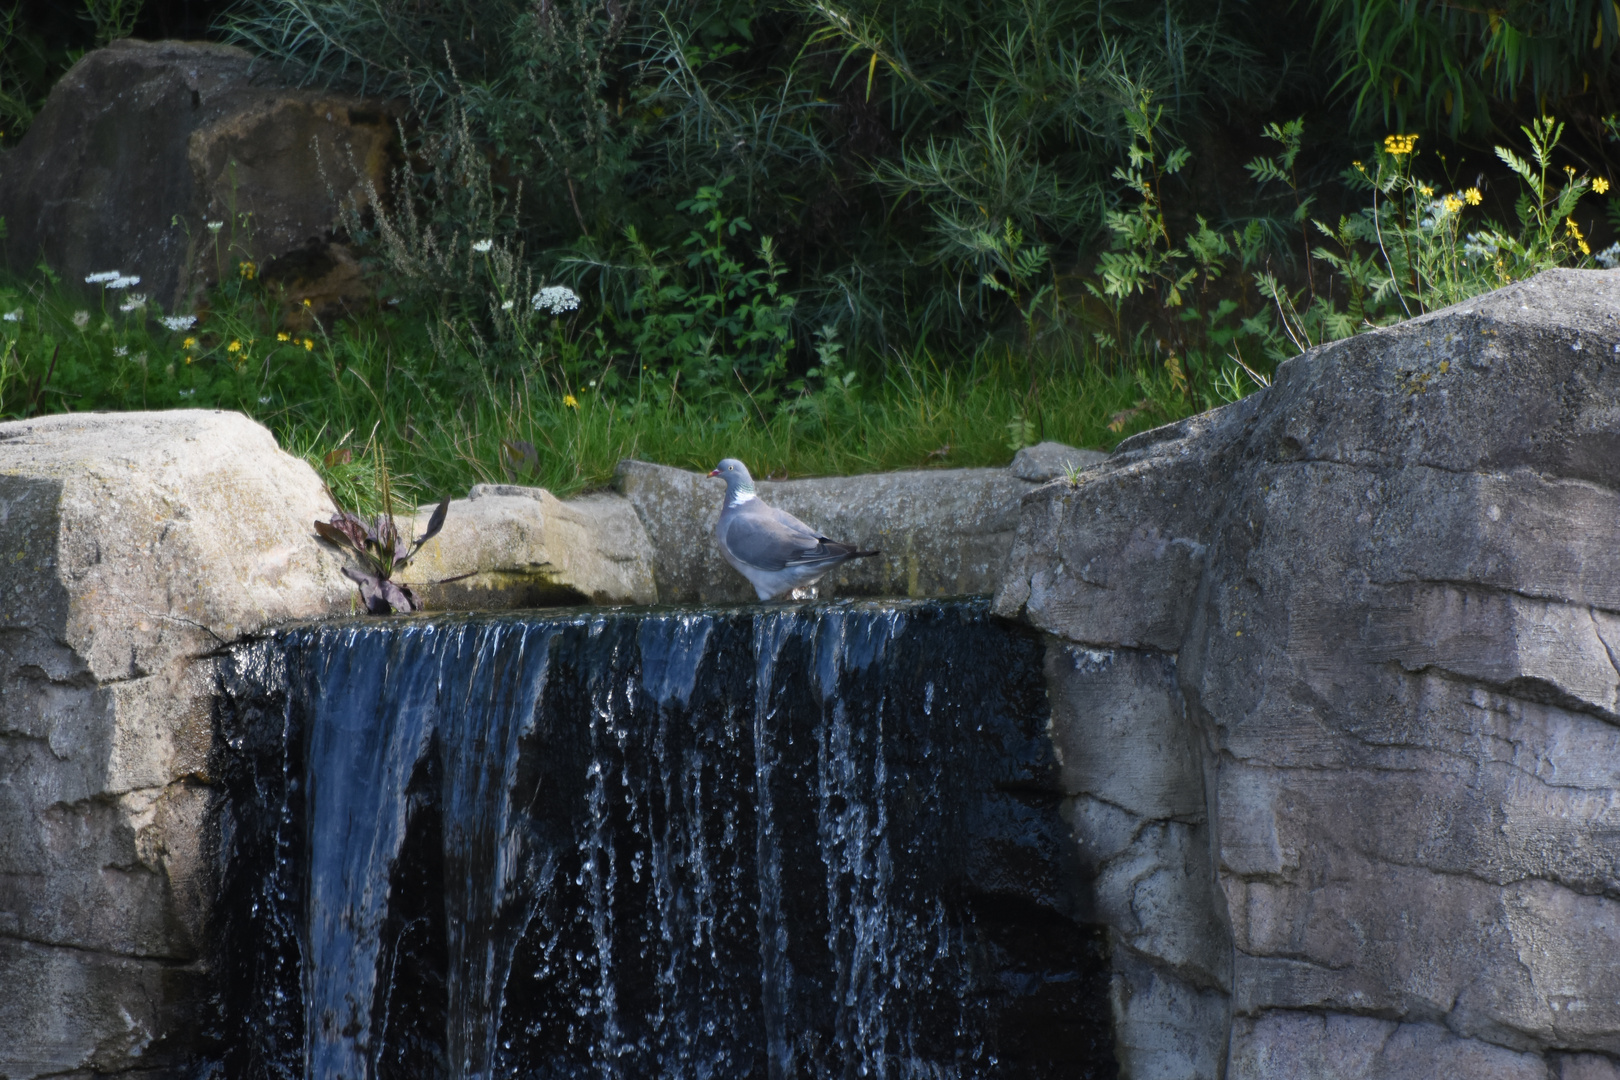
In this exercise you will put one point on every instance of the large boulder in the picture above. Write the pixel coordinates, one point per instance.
(1335, 679)
(141, 144)
(943, 532)
(134, 546)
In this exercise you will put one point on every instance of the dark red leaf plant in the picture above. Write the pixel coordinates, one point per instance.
(380, 548)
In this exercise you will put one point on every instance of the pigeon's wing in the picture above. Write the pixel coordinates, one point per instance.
(773, 541)
(791, 522)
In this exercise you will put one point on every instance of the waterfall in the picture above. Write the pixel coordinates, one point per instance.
(800, 842)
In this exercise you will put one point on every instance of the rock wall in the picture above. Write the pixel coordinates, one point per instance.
(132, 546)
(1335, 681)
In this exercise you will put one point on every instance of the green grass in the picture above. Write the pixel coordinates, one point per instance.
(377, 388)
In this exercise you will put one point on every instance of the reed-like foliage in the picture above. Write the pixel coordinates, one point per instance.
(1465, 68)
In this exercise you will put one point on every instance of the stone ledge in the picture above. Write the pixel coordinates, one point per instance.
(943, 532)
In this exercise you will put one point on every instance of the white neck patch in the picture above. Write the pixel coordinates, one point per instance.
(742, 497)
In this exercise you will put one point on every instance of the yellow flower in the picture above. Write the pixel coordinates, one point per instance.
(1473, 196)
(1428, 192)
(306, 301)
(1574, 229)
(283, 337)
(189, 343)
(1398, 145)
(570, 401)
(235, 346)
(1600, 184)
(1453, 204)
(247, 270)
(1359, 166)
(309, 345)
(1586, 249)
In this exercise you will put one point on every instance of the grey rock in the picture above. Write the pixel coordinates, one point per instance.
(134, 544)
(1587, 1067)
(524, 547)
(1383, 590)
(943, 532)
(1167, 1028)
(140, 135)
(1050, 460)
(1338, 1047)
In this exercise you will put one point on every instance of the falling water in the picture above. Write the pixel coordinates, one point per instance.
(813, 842)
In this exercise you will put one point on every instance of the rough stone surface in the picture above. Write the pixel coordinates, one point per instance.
(524, 547)
(1350, 645)
(141, 134)
(1050, 460)
(943, 532)
(131, 546)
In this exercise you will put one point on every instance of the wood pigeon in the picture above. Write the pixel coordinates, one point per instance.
(774, 550)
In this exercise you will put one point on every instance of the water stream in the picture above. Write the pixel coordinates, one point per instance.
(817, 841)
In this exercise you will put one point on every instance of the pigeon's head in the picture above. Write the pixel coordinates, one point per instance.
(735, 474)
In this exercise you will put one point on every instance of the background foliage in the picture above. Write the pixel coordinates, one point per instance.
(829, 235)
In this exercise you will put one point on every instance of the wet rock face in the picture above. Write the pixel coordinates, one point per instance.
(819, 841)
(142, 143)
(1354, 639)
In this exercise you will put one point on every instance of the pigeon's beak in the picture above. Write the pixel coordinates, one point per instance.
(714, 472)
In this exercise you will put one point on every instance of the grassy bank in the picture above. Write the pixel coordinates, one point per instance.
(341, 397)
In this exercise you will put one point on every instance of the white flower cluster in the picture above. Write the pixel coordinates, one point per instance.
(13, 316)
(135, 302)
(179, 322)
(113, 279)
(555, 299)
(482, 246)
(1609, 257)
(81, 319)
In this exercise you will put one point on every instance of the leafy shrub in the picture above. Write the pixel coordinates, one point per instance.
(877, 144)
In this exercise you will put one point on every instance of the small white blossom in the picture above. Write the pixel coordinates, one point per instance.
(139, 358)
(556, 299)
(264, 400)
(135, 302)
(124, 282)
(121, 350)
(1609, 257)
(187, 393)
(104, 276)
(482, 246)
(507, 306)
(81, 319)
(12, 316)
(178, 322)
(215, 226)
